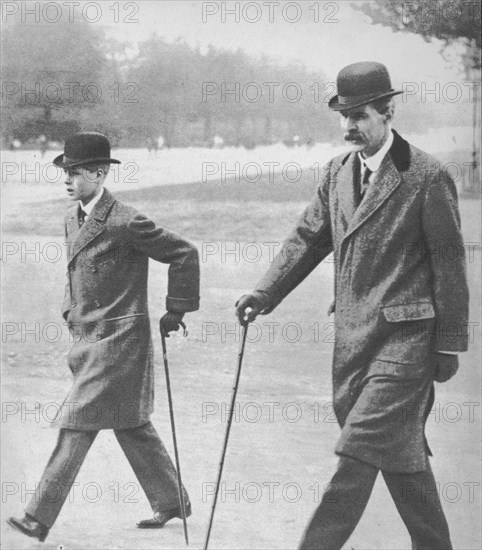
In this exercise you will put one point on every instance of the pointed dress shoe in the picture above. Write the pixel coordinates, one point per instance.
(161, 518)
(30, 527)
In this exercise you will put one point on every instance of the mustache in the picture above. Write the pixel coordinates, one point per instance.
(349, 137)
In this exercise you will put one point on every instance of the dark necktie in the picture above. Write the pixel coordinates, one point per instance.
(360, 183)
(365, 180)
(82, 216)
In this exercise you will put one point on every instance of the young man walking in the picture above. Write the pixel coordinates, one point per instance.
(106, 308)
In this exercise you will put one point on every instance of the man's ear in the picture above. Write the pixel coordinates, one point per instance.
(390, 112)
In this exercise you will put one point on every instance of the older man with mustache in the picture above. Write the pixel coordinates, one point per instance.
(389, 214)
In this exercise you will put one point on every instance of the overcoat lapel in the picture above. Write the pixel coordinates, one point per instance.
(93, 226)
(346, 178)
(387, 179)
(71, 230)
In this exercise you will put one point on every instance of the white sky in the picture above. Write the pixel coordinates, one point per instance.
(323, 45)
(343, 35)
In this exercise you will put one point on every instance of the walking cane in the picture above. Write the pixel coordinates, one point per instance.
(173, 427)
(228, 429)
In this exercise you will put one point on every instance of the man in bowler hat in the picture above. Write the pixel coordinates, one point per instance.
(389, 214)
(109, 246)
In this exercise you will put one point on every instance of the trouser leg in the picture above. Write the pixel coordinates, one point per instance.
(342, 506)
(152, 465)
(59, 475)
(418, 503)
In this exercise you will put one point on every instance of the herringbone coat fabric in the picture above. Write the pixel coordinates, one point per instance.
(400, 295)
(107, 311)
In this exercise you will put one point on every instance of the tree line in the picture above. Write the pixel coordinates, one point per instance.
(60, 79)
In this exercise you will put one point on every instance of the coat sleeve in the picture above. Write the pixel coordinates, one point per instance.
(181, 255)
(305, 247)
(66, 305)
(445, 248)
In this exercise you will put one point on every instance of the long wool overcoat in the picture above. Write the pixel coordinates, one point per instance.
(400, 295)
(106, 308)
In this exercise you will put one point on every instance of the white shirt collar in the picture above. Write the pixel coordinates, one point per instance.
(90, 205)
(373, 163)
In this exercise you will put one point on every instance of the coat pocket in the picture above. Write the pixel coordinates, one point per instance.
(409, 312)
(408, 333)
(127, 330)
(399, 370)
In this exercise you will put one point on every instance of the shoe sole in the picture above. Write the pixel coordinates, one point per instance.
(19, 528)
(153, 525)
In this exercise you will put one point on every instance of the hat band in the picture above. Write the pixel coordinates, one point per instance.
(350, 99)
(70, 160)
(85, 161)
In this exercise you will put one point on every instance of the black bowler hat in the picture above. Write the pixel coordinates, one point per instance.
(84, 149)
(361, 83)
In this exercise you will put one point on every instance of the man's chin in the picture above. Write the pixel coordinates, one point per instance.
(355, 147)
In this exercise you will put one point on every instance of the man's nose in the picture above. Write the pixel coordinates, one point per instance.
(68, 179)
(349, 124)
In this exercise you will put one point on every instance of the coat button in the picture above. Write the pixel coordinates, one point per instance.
(74, 304)
(93, 269)
(97, 303)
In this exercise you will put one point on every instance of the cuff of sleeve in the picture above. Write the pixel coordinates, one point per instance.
(451, 337)
(182, 305)
(65, 310)
(451, 347)
(266, 299)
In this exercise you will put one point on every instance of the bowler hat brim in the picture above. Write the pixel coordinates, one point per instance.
(340, 103)
(64, 162)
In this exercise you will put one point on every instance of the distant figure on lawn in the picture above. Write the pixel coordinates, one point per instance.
(109, 246)
(390, 216)
(43, 145)
(15, 144)
(218, 142)
(152, 145)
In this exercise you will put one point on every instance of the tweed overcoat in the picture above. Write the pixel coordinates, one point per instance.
(400, 295)
(106, 309)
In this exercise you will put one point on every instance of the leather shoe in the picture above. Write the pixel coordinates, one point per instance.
(161, 518)
(30, 527)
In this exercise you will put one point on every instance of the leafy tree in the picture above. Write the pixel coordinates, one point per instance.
(50, 75)
(454, 22)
